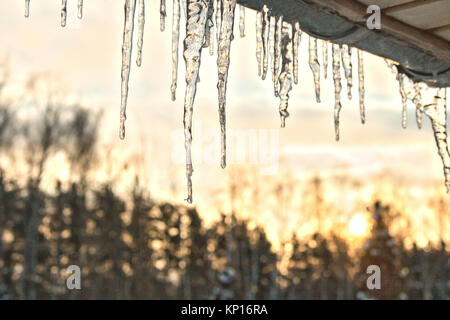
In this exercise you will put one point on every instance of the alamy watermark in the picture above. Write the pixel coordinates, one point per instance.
(259, 147)
(374, 280)
(74, 279)
(374, 20)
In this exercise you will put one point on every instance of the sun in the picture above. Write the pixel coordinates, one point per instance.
(358, 225)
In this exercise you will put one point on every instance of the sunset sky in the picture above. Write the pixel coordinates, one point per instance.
(85, 58)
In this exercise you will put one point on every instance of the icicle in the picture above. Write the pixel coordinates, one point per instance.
(277, 54)
(286, 74)
(223, 63)
(211, 29)
(209, 37)
(436, 111)
(175, 40)
(272, 23)
(27, 8)
(336, 51)
(418, 102)
(259, 40)
(141, 22)
(297, 39)
(197, 11)
(242, 20)
(184, 5)
(266, 26)
(130, 7)
(325, 58)
(348, 68)
(162, 15)
(63, 13)
(218, 6)
(401, 85)
(362, 108)
(80, 9)
(314, 65)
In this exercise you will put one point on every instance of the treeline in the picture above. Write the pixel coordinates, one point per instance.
(139, 248)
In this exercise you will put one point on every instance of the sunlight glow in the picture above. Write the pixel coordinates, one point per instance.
(357, 225)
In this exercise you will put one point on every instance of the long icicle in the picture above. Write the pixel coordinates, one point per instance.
(265, 33)
(141, 23)
(63, 13)
(401, 85)
(218, 12)
(197, 11)
(346, 52)
(162, 15)
(418, 103)
(337, 86)
(296, 43)
(314, 65)
(259, 40)
(209, 36)
(325, 58)
(223, 63)
(286, 74)
(175, 40)
(130, 8)
(277, 54)
(436, 111)
(27, 8)
(242, 20)
(362, 107)
(211, 28)
(272, 24)
(80, 9)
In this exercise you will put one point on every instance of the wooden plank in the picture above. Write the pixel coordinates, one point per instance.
(422, 15)
(409, 5)
(384, 3)
(402, 32)
(443, 32)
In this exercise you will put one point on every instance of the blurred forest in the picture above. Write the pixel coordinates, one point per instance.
(132, 246)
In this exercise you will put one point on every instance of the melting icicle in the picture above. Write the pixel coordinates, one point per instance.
(403, 93)
(175, 40)
(223, 63)
(336, 52)
(296, 40)
(418, 102)
(130, 8)
(277, 54)
(314, 65)
(259, 40)
(141, 22)
(209, 37)
(80, 9)
(27, 8)
(348, 68)
(362, 108)
(436, 111)
(162, 15)
(197, 11)
(64, 13)
(218, 9)
(266, 26)
(242, 20)
(272, 23)
(325, 58)
(286, 74)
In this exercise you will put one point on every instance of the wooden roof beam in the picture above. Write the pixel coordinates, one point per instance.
(402, 32)
(408, 5)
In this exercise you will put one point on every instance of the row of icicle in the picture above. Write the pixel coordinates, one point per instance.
(63, 10)
(275, 39)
